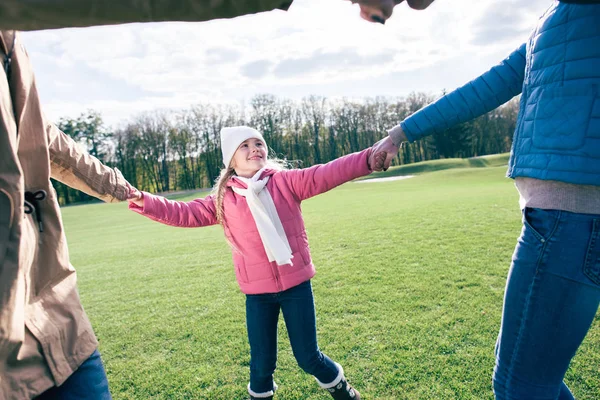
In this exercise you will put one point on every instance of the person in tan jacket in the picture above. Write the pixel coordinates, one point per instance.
(44, 332)
(47, 345)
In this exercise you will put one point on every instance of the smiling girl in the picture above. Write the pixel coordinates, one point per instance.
(257, 202)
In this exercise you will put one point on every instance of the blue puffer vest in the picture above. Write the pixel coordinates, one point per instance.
(558, 73)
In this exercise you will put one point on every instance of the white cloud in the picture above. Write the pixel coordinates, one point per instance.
(317, 47)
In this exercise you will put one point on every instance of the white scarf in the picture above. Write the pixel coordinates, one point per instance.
(267, 220)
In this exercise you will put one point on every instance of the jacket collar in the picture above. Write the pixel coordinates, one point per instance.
(235, 182)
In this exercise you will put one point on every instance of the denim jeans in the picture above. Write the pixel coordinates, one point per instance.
(88, 382)
(262, 314)
(552, 295)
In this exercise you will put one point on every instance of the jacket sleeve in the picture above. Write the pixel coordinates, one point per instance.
(74, 167)
(309, 182)
(481, 95)
(48, 14)
(186, 214)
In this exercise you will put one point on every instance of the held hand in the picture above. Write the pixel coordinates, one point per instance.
(377, 160)
(380, 10)
(382, 155)
(135, 196)
(375, 10)
(137, 199)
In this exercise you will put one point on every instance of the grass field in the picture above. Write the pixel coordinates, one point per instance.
(408, 292)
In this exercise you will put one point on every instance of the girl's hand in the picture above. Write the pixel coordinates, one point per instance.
(136, 197)
(377, 160)
(389, 150)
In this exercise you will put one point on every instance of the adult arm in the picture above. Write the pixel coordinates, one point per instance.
(481, 95)
(186, 214)
(75, 167)
(48, 14)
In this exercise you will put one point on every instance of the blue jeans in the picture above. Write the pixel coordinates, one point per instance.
(552, 295)
(298, 308)
(87, 382)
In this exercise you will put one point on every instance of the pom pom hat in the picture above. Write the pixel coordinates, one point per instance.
(232, 137)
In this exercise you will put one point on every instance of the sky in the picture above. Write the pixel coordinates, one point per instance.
(317, 47)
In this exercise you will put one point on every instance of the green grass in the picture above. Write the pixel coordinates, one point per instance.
(408, 291)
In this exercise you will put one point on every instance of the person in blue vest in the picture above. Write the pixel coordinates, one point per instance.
(553, 287)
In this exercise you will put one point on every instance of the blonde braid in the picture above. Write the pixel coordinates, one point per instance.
(219, 191)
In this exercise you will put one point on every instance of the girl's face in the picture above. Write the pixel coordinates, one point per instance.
(250, 157)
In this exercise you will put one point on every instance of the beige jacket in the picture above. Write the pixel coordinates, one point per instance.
(44, 332)
(44, 14)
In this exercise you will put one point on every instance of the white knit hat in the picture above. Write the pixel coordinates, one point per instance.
(232, 137)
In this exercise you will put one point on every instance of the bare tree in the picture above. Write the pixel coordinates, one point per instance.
(162, 152)
(153, 130)
(314, 111)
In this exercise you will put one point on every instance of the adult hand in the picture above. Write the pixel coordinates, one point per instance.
(388, 148)
(377, 160)
(135, 196)
(381, 10)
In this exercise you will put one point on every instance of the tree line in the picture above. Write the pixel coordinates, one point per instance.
(172, 151)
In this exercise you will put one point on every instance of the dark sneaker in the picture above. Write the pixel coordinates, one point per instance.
(343, 391)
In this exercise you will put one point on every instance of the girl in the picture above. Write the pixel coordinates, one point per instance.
(258, 204)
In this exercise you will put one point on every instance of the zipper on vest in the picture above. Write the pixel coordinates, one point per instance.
(525, 93)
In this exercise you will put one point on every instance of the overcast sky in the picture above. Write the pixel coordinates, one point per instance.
(318, 47)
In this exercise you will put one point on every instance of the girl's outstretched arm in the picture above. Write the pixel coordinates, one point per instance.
(317, 179)
(187, 214)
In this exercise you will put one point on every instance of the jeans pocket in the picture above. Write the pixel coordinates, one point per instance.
(591, 267)
(540, 223)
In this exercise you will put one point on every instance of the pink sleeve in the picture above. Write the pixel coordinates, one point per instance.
(318, 179)
(187, 214)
